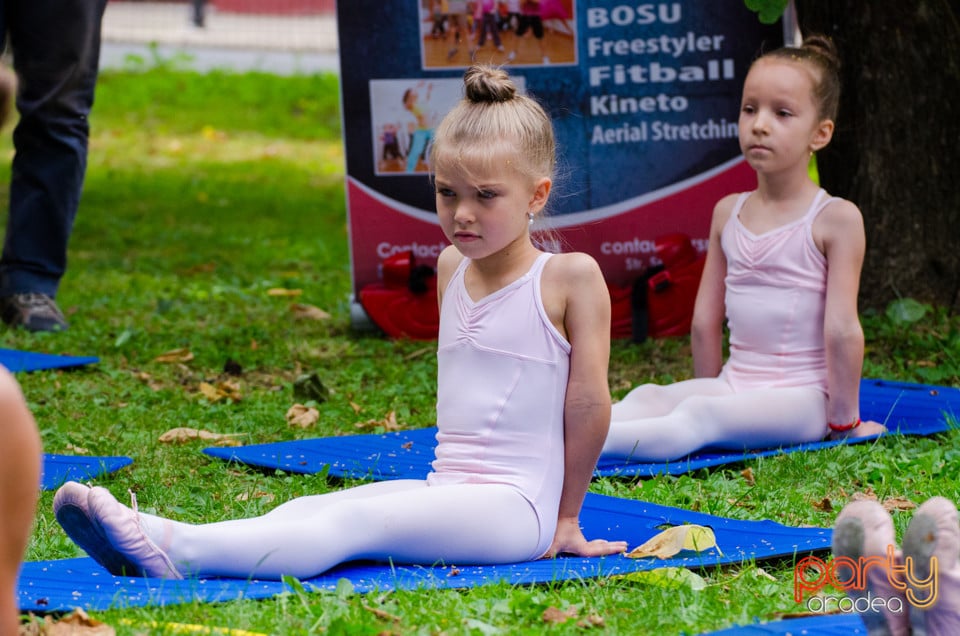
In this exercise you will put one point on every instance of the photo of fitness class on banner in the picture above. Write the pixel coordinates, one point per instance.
(644, 99)
(457, 33)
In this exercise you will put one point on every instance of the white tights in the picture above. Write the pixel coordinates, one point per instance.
(404, 521)
(666, 422)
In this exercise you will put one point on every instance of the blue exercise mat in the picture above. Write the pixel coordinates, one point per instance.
(58, 469)
(47, 586)
(826, 625)
(905, 408)
(21, 361)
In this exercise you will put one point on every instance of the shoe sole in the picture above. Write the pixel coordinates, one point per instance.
(848, 540)
(921, 542)
(88, 534)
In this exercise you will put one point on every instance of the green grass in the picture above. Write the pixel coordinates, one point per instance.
(206, 191)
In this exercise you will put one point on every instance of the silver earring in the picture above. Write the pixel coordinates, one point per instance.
(530, 218)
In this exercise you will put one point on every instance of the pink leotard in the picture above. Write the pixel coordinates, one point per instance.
(775, 297)
(507, 429)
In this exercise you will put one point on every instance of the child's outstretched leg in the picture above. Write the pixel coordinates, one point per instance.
(863, 529)
(403, 521)
(931, 545)
(738, 421)
(653, 400)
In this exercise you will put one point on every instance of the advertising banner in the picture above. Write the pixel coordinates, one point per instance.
(644, 98)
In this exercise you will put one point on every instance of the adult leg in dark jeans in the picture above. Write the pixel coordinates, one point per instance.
(199, 13)
(56, 51)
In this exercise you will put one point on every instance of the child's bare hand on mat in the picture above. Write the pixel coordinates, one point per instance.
(569, 539)
(867, 428)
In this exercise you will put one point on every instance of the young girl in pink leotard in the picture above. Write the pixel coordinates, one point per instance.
(783, 267)
(522, 398)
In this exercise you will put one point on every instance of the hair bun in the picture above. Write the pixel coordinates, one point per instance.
(823, 46)
(486, 84)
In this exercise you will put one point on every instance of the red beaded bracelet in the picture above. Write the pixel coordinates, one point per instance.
(840, 428)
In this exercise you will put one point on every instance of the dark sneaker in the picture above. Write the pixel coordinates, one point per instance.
(33, 312)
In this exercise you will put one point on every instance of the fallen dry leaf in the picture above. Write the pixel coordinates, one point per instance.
(246, 496)
(824, 505)
(868, 494)
(175, 355)
(77, 623)
(356, 407)
(307, 312)
(185, 434)
(594, 620)
(280, 291)
(382, 614)
(389, 423)
(747, 474)
(222, 390)
(147, 379)
(558, 616)
(77, 450)
(420, 352)
(302, 416)
(898, 503)
(673, 540)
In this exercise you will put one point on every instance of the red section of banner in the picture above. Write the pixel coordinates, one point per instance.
(378, 231)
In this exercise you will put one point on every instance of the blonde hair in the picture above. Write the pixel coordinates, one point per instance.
(819, 53)
(494, 120)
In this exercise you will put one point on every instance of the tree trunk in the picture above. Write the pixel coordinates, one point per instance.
(895, 150)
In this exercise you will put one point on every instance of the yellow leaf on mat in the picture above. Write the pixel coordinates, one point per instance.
(673, 540)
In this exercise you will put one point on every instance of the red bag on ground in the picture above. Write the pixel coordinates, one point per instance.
(660, 303)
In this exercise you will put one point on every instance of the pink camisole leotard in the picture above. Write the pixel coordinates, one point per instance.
(775, 297)
(501, 385)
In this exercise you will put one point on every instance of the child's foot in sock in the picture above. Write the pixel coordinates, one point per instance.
(932, 545)
(864, 529)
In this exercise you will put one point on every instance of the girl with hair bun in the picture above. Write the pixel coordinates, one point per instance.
(522, 398)
(783, 271)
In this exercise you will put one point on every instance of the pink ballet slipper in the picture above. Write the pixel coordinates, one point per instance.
(934, 533)
(72, 509)
(121, 527)
(864, 529)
